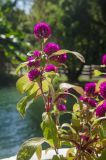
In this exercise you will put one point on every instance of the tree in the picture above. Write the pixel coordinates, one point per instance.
(12, 46)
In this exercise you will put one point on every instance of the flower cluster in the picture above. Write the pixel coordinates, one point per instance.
(41, 31)
(91, 95)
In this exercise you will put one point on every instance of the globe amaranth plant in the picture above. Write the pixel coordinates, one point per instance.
(85, 134)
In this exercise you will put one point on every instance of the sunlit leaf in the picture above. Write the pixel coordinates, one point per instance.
(39, 152)
(67, 125)
(29, 148)
(97, 73)
(23, 104)
(22, 65)
(66, 86)
(22, 82)
(78, 55)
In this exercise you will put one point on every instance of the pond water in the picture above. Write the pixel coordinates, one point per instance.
(13, 129)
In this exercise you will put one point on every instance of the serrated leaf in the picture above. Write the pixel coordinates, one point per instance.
(78, 55)
(29, 148)
(66, 86)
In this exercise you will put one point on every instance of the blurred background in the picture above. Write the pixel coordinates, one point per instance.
(78, 25)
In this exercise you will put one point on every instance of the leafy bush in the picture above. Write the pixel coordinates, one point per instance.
(85, 134)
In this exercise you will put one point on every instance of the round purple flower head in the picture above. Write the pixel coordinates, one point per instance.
(42, 30)
(104, 59)
(50, 67)
(51, 47)
(90, 88)
(103, 89)
(36, 53)
(62, 107)
(101, 110)
(33, 74)
(62, 58)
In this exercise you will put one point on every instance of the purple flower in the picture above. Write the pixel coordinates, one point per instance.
(103, 89)
(101, 110)
(42, 30)
(92, 102)
(90, 88)
(33, 74)
(50, 67)
(62, 58)
(83, 99)
(36, 53)
(31, 61)
(62, 107)
(104, 59)
(51, 47)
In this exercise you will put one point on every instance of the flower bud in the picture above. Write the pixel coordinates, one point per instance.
(62, 107)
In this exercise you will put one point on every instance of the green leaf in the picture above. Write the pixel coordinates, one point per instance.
(75, 121)
(39, 152)
(78, 55)
(69, 126)
(23, 104)
(49, 130)
(70, 155)
(55, 157)
(104, 142)
(103, 156)
(29, 148)
(97, 73)
(97, 121)
(23, 84)
(66, 86)
(22, 65)
(76, 107)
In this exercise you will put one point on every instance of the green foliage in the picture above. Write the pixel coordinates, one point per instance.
(30, 147)
(49, 130)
